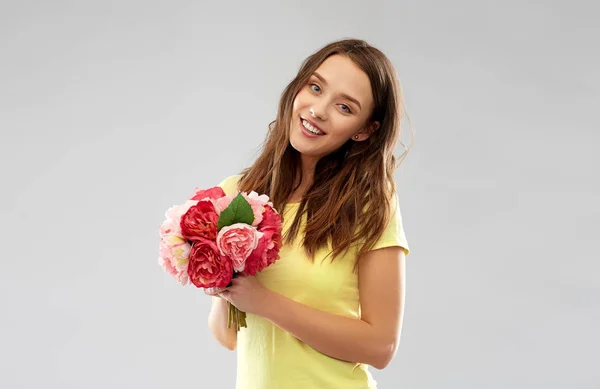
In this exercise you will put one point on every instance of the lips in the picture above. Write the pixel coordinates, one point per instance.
(313, 125)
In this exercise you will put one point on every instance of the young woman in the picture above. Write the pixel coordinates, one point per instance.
(332, 305)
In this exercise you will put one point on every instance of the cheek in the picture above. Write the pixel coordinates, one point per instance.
(300, 100)
(345, 126)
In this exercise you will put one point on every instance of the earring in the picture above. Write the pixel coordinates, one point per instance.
(355, 136)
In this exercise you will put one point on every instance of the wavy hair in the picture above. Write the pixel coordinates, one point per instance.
(350, 200)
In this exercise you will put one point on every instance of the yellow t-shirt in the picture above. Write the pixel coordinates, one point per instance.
(271, 358)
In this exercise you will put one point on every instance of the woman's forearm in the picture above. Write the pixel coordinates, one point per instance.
(217, 322)
(339, 337)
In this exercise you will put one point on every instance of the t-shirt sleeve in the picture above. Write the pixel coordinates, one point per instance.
(394, 234)
(229, 184)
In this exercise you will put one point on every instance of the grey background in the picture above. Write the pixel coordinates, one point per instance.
(110, 112)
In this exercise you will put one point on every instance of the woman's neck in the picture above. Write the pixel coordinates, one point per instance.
(308, 166)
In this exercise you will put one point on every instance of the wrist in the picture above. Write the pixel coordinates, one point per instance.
(265, 303)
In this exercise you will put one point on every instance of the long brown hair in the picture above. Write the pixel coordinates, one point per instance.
(349, 202)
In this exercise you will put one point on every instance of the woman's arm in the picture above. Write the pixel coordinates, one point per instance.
(372, 339)
(217, 322)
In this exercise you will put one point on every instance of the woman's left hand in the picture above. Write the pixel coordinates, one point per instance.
(246, 294)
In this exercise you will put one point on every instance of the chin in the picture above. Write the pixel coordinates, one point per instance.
(303, 149)
(299, 147)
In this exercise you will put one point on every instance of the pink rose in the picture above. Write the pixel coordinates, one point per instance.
(207, 267)
(200, 222)
(173, 257)
(237, 242)
(212, 193)
(222, 203)
(258, 203)
(264, 199)
(169, 227)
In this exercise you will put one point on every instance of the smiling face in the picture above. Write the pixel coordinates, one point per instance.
(333, 107)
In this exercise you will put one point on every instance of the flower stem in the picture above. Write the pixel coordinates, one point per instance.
(229, 314)
(236, 316)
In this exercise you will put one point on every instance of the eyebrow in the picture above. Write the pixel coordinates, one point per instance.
(352, 99)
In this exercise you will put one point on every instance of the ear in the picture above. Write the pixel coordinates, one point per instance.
(366, 132)
(373, 127)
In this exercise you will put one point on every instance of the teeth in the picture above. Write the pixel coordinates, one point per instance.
(310, 128)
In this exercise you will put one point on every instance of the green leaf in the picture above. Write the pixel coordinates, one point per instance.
(239, 211)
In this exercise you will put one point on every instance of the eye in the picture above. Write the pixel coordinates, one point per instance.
(315, 88)
(345, 108)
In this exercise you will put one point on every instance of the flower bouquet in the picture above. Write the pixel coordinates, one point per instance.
(211, 237)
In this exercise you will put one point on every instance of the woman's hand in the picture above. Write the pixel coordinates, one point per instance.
(246, 294)
(214, 292)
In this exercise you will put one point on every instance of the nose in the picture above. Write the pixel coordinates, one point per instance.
(318, 111)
